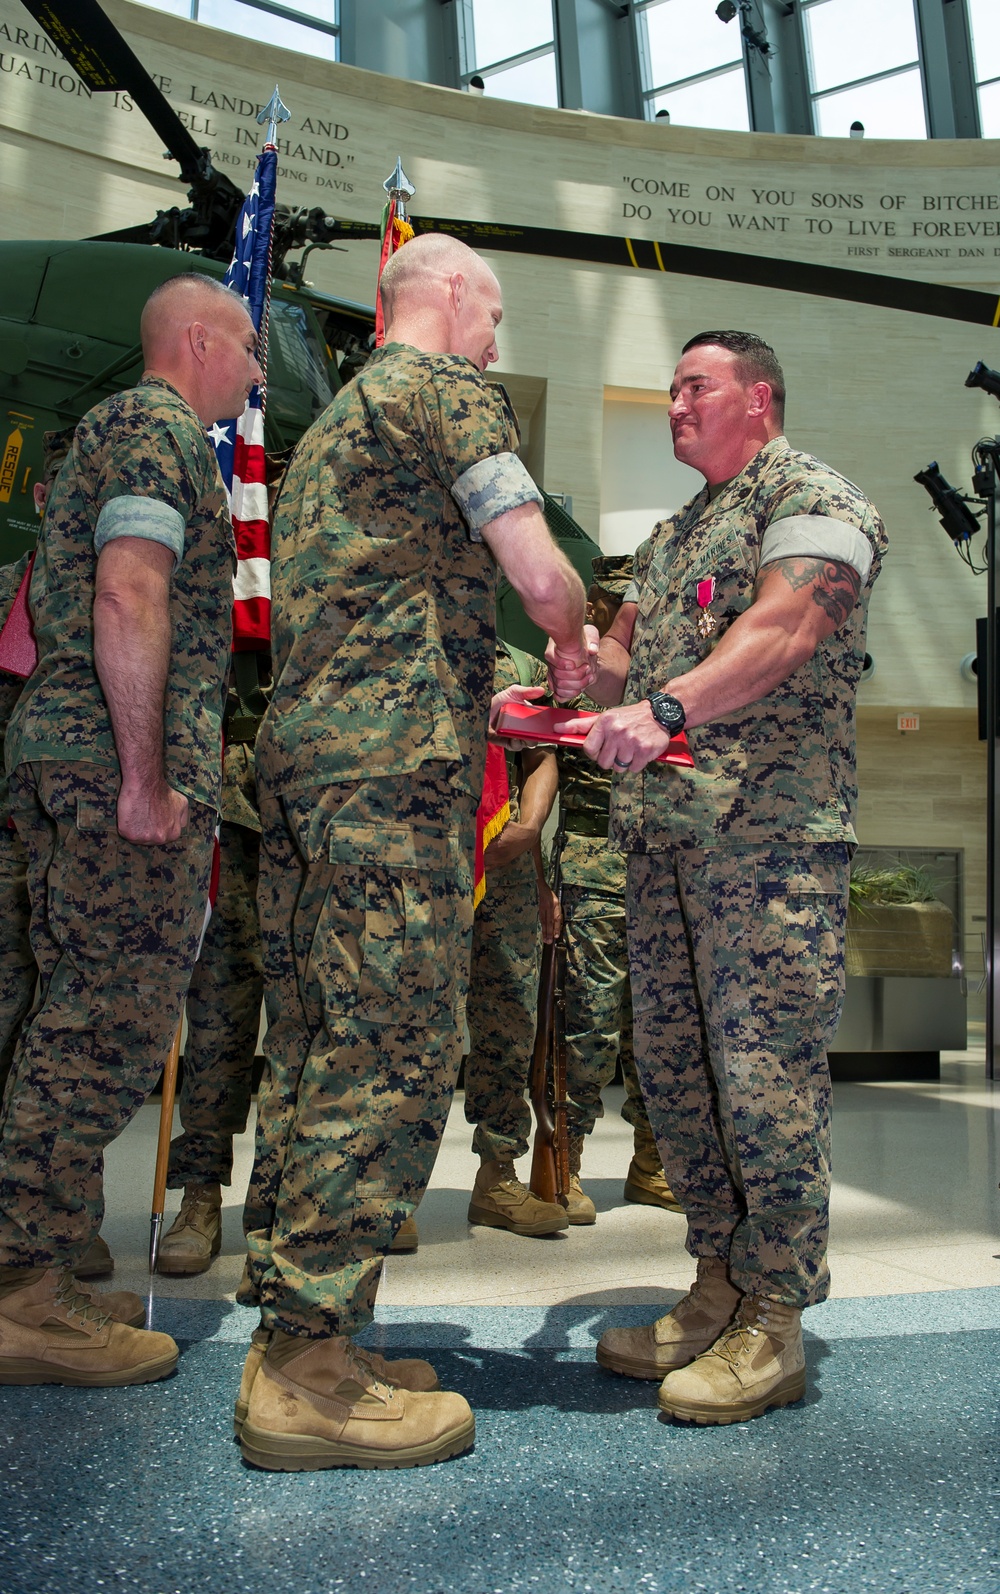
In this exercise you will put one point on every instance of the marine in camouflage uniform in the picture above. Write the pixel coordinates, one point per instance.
(370, 766)
(598, 994)
(738, 872)
(116, 924)
(503, 988)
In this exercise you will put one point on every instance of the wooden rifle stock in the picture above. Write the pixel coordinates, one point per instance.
(549, 1179)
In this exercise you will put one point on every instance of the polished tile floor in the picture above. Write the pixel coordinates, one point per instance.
(883, 1479)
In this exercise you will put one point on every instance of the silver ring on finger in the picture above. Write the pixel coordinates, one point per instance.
(623, 763)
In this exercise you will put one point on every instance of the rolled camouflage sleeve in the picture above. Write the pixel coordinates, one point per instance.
(492, 487)
(471, 436)
(152, 476)
(817, 537)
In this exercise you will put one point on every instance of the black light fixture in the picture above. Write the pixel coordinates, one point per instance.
(982, 376)
(476, 85)
(857, 129)
(952, 506)
(728, 10)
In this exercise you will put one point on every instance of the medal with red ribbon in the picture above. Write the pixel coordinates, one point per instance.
(707, 623)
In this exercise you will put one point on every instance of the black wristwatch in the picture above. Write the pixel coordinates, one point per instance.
(667, 711)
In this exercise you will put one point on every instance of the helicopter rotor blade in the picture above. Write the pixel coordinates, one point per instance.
(721, 265)
(103, 61)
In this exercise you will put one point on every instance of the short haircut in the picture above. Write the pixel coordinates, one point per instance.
(188, 295)
(191, 281)
(419, 262)
(756, 361)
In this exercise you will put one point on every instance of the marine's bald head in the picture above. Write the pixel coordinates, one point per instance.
(175, 304)
(198, 336)
(422, 265)
(439, 295)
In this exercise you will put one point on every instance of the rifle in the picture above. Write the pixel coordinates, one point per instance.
(550, 1153)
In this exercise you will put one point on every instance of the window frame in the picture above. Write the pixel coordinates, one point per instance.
(651, 90)
(805, 6)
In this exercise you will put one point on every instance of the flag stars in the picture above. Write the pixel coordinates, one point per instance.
(219, 435)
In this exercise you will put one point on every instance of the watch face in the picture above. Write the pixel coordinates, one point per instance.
(667, 711)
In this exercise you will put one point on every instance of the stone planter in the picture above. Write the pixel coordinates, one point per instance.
(913, 938)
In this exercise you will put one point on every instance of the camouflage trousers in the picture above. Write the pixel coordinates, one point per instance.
(598, 1008)
(114, 931)
(366, 914)
(502, 1010)
(737, 982)
(18, 970)
(223, 1017)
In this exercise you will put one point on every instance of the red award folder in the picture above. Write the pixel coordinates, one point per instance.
(18, 649)
(526, 723)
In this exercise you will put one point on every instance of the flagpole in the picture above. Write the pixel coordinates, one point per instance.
(396, 231)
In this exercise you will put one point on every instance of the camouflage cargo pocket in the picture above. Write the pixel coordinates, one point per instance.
(797, 938)
(414, 943)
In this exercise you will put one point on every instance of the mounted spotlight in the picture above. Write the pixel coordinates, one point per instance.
(952, 507)
(727, 10)
(982, 376)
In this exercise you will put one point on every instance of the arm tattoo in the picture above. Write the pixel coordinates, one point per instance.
(835, 585)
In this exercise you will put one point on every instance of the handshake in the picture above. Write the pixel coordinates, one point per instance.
(571, 671)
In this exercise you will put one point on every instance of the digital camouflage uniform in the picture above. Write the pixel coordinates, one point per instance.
(114, 925)
(370, 765)
(18, 972)
(225, 994)
(737, 884)
(598, 995)
(502, 1007)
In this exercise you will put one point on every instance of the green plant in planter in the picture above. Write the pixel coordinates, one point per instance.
(896, 925)
(889, 887)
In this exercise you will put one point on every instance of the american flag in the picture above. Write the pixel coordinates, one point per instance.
(239, 444)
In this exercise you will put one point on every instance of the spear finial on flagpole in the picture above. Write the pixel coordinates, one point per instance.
(398, 187)
(273, 113)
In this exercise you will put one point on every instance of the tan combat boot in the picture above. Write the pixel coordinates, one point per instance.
(52, 1332)
(756, 1364)
(695, 1323)
(317, 1403)
(407, 1237)
(96, 1262)
(579, 1207)
(195, 1236)
(501, 1201)
(407, 1373)
(122, 1306)
(646, 1182)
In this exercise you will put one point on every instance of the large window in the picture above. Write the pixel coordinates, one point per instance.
(985, 18)
(308, 26)
(692, 64)
(510, 45)
(864, 66)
